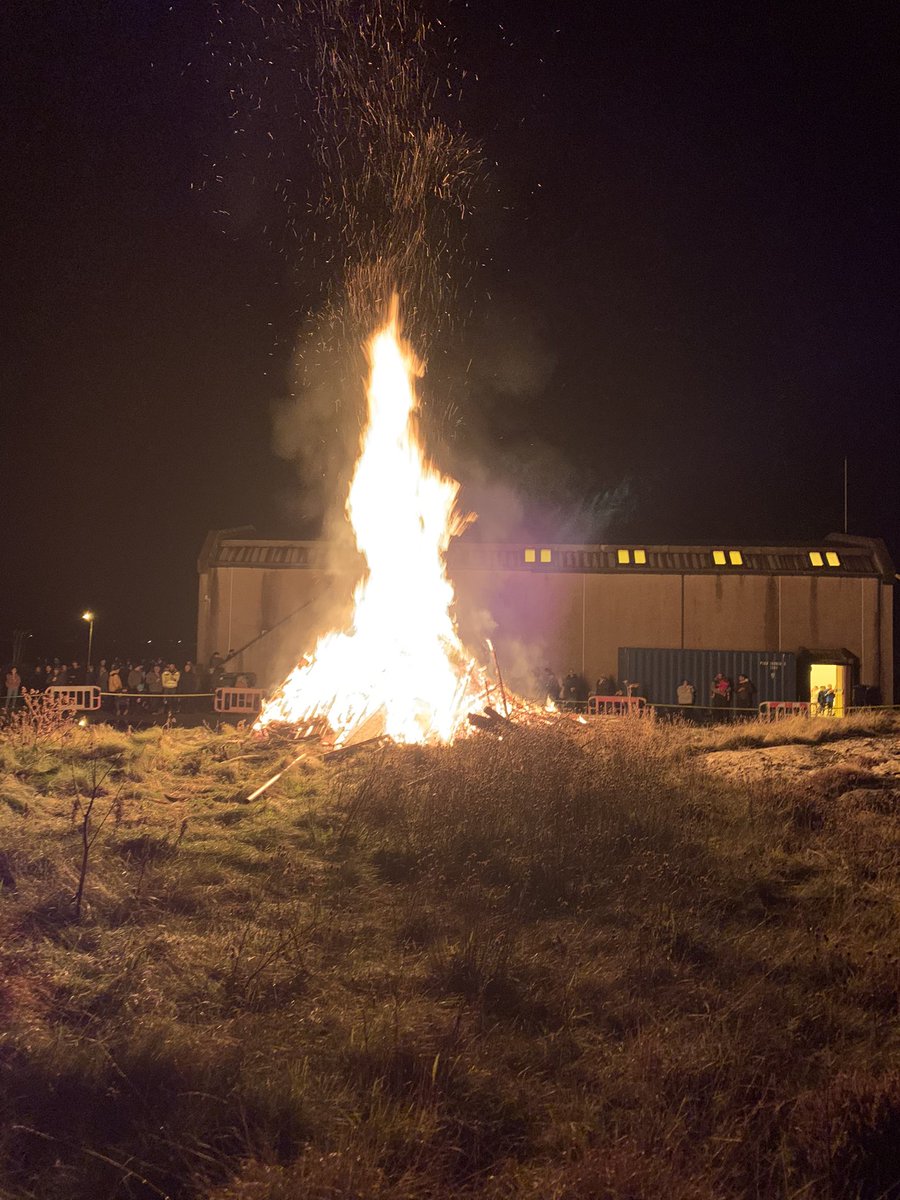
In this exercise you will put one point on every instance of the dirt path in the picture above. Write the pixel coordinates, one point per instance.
(880, 755)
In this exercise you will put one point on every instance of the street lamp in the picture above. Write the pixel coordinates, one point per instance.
(89, 617)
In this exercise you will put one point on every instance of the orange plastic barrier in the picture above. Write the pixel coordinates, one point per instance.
(777, 710)
(242, 700)
(616, 706)
(71, 696)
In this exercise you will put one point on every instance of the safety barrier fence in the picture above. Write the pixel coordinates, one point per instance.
(616, 706)
(159, 695)
(89, 698)
(769, 710)
(75, 697)
(243, 700)
(225, 699)
(779, 710)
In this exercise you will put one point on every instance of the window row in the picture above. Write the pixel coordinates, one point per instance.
(721, 558)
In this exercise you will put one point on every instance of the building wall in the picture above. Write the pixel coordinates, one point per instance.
(564, 620)
(276, 614)
(886, 658)
(730, 612)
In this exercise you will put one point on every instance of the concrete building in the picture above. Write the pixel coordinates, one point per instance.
(566, 606)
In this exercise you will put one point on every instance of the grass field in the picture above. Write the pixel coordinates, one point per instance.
(571, 964)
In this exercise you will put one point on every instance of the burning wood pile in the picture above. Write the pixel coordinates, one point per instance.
(399, 671)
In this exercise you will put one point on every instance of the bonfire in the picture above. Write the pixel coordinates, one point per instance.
(399, 669)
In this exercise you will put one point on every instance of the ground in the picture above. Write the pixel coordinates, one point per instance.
(878, 755)
(620, 960)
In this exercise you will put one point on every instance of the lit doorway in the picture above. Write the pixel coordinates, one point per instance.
(823, 676)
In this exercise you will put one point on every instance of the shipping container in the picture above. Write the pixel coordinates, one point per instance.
(659, 672)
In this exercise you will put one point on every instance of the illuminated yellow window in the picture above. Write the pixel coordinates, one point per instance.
(719, 558)
(816, 558)
(624, 556)
(529, 556)
(832, 559)
(640, 556)
(735, 558)
(546, 556)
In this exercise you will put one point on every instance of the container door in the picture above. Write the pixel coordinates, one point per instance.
(828, 689)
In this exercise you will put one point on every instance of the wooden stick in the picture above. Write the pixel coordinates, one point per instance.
(499, 677)
(345, 751)
(259, 791)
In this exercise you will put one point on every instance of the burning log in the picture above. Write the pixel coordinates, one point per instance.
(490, 720)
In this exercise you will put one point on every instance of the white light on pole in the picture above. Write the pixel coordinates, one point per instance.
(89, 617)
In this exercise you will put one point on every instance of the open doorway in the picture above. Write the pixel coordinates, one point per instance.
(825, 676)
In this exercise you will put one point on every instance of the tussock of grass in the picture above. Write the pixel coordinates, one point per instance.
(570, 963)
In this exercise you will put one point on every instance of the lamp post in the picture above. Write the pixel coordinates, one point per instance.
(89, 617)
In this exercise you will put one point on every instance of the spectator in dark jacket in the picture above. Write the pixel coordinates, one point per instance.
(574, 689)
(188, 686)
(745, 692)
(550, 686)
(153, 686)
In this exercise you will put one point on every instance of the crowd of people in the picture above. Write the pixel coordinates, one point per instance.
(574, 692)
(129, 686)
(134, 685)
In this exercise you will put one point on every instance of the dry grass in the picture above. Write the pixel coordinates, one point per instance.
(568, 965)
(801, 731)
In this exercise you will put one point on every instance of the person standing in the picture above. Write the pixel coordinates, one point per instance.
(153, 686)
(171, 677)
(685, 693)
(115, 686)
(216, 670)
(829, 700)
(188, 686)
(13, 684)
(550, 686)
(745, 692)
(135, 685)
(721, 692)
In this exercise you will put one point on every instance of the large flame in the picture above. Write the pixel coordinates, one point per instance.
(400, 668)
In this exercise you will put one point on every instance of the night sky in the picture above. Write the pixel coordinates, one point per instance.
(683, 310)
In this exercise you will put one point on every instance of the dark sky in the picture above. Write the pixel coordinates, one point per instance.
(685, 300)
